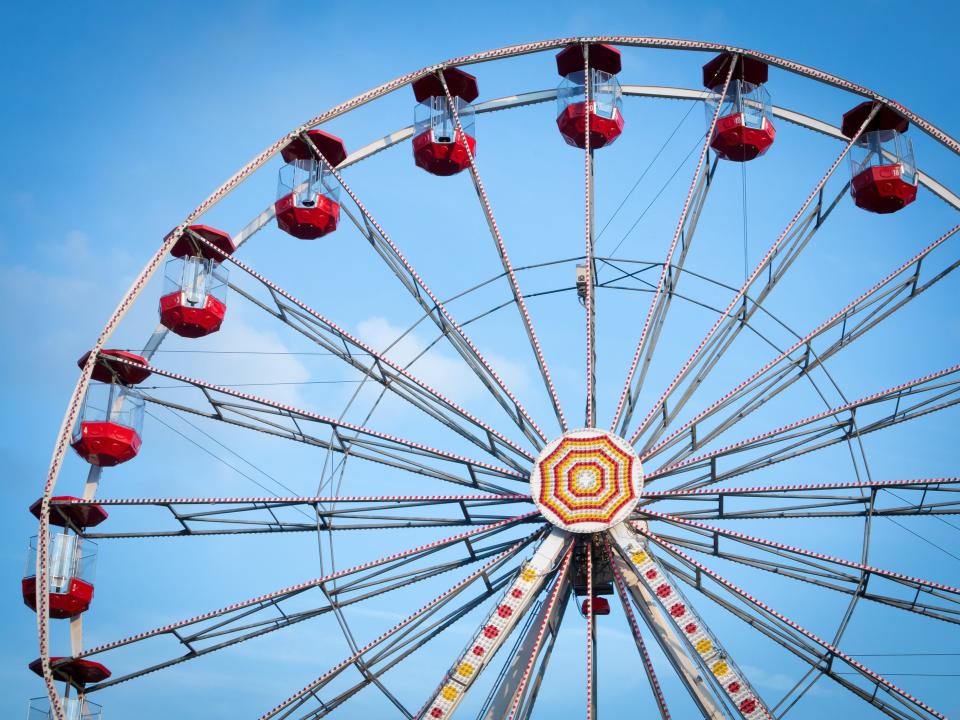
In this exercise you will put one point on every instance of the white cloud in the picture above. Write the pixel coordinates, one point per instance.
(450, 375)
(241, 331)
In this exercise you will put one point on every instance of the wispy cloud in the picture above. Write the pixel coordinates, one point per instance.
(448, 374)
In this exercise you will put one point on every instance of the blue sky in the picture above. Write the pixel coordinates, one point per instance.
(122, 117)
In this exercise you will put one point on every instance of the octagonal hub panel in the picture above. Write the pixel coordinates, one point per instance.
(586, 480)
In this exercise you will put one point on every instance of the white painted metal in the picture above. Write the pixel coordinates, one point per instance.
(506, 692)
(698, 640)
(689, 673)
(496, 628)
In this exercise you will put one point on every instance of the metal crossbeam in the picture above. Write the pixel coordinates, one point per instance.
(378, 367)
(398, 634)
(493, 632)
(853, 499)
(506, 690)
(268, 416)
(590, 412)
(852, 322)
(219, 516)
(245, 620)
(622, 593)
(719, 683)
(505, 258)
(809, 218)
(900, 403)
(819, 654)
(432, 306)
(660, 304)
(916, 595)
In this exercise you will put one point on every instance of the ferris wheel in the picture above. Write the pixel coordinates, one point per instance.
(630, 514)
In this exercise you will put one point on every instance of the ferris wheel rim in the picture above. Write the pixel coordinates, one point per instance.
(501, 53)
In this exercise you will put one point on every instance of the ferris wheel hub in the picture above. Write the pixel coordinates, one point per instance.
(586, 480)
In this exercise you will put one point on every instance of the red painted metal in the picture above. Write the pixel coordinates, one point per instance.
(74, 601)
(747, 69)
(106, 443)
(107, 372)
(461, 84)
(80, 516)
(881, 189)
(191, 322)
(733, 140)
(321, 217)
(71, 670)
(307, 223)
(186, 246)
(443, 159)
(601, 606)
(886, 119)
(330, 146)
(603, 131)
(602, 57)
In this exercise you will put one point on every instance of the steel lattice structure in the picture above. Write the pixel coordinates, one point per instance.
(582, 501)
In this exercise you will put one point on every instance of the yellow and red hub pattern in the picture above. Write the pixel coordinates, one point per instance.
(728, 676)
(589, 478)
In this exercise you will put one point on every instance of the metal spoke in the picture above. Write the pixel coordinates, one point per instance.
(252, 618)
(814, 500)
(296, 700)
(504, 258)
(853, 321)
(591, 638)
(514, 603)
(433, 307)
(396, 378)
(660, 304)
(635, 631)
(203, 516)
(909, 400)
(220, 516)
(726, 679)
(917, 595)
(505, 689)
(376, 446)
(589, 301)
(818, 653)
(402, 645)
(785, 249)
(561, 585)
